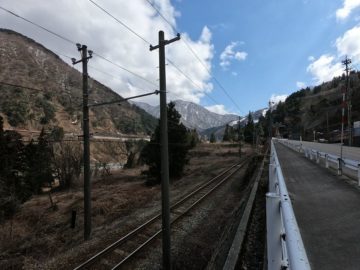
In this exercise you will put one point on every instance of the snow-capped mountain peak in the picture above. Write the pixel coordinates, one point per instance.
(193, 115)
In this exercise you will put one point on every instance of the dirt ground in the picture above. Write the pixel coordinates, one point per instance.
(41, 238)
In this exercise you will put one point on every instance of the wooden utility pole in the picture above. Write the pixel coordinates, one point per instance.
(327, 126)
(346, 63)
(343, 104)
(165, 201)
(86, 137)
(239, 137)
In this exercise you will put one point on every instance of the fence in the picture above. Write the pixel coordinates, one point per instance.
(346, 166)
(285, 248)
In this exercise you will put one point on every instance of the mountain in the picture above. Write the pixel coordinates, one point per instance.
(193, 115)
(53, 93)
(152, 110)
(319, 110)
(219, 131)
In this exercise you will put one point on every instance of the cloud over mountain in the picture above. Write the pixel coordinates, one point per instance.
(113, 40)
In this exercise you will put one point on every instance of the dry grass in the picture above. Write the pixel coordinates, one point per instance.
(41, 238)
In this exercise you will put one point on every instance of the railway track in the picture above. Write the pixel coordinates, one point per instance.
(118, 253)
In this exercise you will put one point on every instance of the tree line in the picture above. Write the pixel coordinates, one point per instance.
(251, 132)
(27, 168)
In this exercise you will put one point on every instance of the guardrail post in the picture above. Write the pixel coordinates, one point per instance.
(274, 249)
(317, 157)
(326, 161)
(272, 177)
(339, 167)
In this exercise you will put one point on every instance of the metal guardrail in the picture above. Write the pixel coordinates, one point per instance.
(285, 248)
(314, 154)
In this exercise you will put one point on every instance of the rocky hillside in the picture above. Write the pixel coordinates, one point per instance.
(193, 115)
(318, 109)
(58, 103)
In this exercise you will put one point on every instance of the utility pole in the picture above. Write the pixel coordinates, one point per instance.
(165, 201)
(346, 63)
(239, 137)
(327, 126)
(86, 137)
(343, 105)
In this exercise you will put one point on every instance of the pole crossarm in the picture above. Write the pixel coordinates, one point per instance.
(123, 99)
(165, 42)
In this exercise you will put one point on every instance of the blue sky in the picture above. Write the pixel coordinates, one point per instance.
(258, 50)
(278, 37)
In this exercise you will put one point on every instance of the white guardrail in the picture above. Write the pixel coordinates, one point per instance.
(285, 249)
(330, 160)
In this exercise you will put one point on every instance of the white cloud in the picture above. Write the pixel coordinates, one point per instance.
(300, 85)
(328, 66)
(275, 98)
(230, 54)
(240, 56)
(347, 8)
(219, 109)
(105, 36)
(349, 45)
(311, 58)
(325, 68)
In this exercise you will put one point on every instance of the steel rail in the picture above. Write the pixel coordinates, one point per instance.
(132, 233)
(187, 210)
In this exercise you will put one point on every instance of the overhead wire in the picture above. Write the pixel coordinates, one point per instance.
(100, 56)
(147, 42)
(186, 76)
(119, 21)
(195, 55)
(124, 68)
(39, 26)
(106, 73)
(42, 91)
(74, 43)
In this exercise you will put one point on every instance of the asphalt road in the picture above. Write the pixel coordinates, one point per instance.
(335, 149)
(326, 209)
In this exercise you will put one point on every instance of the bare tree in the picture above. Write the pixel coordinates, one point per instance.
(67, 162)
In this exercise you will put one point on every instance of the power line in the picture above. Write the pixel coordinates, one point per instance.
(162, 16)
(38, 90)
(123, 68)
(195, 55)
(39, 26)
(108, 74)
(147, 42)
(21, 86)
(119, 21)
(72, 42)
(100, 56)
(186, 76)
